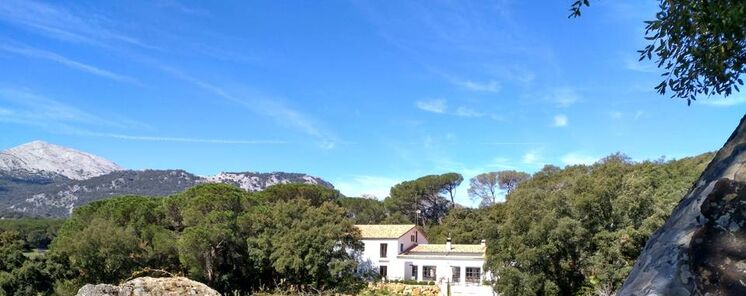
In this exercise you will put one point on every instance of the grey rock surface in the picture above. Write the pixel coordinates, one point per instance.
(148, 286)
(701, 249)
(98, 290)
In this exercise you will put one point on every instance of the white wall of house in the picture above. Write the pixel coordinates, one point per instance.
(372, 251)
(444, 268)
(410, 239)
(371, 255)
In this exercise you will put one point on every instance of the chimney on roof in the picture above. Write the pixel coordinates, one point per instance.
(448, 243)
(484, 243)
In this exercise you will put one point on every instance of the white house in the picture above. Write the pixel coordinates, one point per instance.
(402, 252)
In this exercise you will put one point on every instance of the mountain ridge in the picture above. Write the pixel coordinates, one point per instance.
(49, 188)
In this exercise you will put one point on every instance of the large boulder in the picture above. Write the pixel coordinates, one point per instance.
(701, 249)
(148, 286)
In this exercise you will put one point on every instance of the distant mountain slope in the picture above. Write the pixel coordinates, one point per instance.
(59, 198)
(42, 157)
(41, 179)
(252, 181)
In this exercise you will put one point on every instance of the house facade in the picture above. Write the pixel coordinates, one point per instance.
(402, 252)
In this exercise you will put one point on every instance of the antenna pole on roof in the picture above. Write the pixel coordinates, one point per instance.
(417, 218)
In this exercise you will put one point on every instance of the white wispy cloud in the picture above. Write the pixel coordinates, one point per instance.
(501, 163)
(618, 115)
(574, 158)
(564, 97)
(82, 26)
(31, 109)
(532, 157)
(184, 9)
(497, 45)
(508, 143)
(560, 120)
(632, 64)
(25, 105)
(521, 75)
(174, 139)
(63, 24)
(468, 112)
(434, 106)
(262, 105)
(5, 112)
(732, 100)
(54, 57)
(489, 86)
(440, 106)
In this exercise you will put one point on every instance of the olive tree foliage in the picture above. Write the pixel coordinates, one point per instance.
(700, 45)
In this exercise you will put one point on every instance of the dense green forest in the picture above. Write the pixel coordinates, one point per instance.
(571, 231)
(36, 233)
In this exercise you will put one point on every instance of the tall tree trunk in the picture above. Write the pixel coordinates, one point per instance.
(208, 266)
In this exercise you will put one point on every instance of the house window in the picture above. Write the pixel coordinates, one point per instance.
(428, 273)
(401, 248)
(384, 248)
(411, 238)
(455, 274)
(416, 236)
(383, 270)
(414, 272)
(473, 274)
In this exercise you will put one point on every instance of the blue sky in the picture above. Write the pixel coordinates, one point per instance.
(362, 93)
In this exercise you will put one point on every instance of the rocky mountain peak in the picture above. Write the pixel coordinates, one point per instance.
(43, 157)
(254, 181)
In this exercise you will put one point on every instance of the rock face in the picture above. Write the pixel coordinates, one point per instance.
(148, 286)
(701, 249)
(253, 181)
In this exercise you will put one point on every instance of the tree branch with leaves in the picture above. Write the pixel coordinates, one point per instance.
(700, 46)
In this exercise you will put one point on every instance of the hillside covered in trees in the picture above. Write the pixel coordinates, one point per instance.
(571, 231)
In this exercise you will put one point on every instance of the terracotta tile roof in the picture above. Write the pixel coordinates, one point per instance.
(392, 231)
(441, 249)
